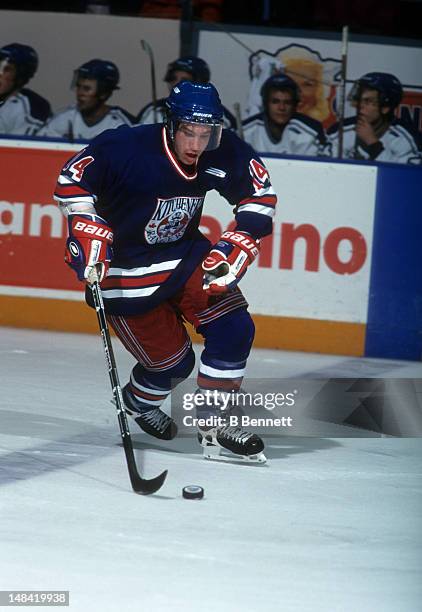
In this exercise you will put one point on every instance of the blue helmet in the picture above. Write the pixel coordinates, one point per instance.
(24, 57)
(389, 88)
(191, 102)
(104, 72)
(195, 66)
(280, 82)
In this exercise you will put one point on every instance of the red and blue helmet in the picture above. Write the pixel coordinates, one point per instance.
(191, 102)
(24, 57)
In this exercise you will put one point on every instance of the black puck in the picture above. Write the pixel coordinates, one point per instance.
(193, 492)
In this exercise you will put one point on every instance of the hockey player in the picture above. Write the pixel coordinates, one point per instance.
(188, 68)
(146, 187)
(95, 82)
(22, 111)
(279, 128)
(375, 133)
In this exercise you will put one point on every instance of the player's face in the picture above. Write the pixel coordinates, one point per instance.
(190, 142)
(86, 94)
(280, 106)
(369, 106)
(177, 76)
(7, 78)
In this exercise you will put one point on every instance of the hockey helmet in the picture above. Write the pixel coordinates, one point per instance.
(280, 82)
(24, 57)
(103, 71)
(191, 102)
(389, 88)
(195, 66)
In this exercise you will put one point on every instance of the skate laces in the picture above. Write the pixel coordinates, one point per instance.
(156, 417)
(236, 433)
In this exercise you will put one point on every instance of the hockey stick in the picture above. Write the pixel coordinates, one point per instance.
(147, 48)
(139, 484)
(342, 90)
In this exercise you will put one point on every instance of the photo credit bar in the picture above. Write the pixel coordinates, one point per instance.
(309, 407)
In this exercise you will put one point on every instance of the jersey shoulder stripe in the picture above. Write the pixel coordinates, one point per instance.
(313, 124)
(409, 131)
(39, 107)
(254, 119)
(123, 114)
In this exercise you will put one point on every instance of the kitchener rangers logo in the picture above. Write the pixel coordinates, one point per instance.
(171, 218)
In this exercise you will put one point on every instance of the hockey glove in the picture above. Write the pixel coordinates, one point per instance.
(88, 248)
(227, 261)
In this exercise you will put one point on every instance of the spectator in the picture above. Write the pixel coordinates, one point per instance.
(187, 68)
(375, 133)
(95, 82)
(202, 10)
(280, 128)
(22, 111)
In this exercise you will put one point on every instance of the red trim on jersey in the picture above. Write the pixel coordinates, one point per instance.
(269, 200)
(129, 281)
(70, 190)
(172, 158)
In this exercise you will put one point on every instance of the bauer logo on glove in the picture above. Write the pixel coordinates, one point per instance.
(88, 248)
(227, 261)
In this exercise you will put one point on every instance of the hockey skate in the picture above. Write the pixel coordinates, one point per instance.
(231, 444)
(152, 421)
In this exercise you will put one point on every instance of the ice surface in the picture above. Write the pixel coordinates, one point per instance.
(327, 525)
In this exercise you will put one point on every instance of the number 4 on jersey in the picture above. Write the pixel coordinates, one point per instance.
(78, 167)
(260, 178)
(258, 172)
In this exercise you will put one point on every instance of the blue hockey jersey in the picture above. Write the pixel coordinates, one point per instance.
(153, 203)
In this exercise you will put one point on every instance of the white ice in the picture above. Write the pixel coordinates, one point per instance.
(330, 525)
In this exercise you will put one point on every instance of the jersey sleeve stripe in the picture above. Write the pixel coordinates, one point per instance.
(257, 208)
(268, 200)
(85, 199)
(70, 190)
(63, 180)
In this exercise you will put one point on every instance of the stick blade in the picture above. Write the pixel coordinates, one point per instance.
(147, 487)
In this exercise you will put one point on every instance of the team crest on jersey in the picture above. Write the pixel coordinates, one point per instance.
(171, 218)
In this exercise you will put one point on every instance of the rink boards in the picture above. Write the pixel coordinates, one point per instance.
(341, 273)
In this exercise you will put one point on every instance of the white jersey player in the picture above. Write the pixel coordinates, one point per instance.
(280, 129)
(374, 133)
(22, 111)
(95, 81)
(188, 68)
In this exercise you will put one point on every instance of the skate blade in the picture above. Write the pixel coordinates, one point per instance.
(216, 453)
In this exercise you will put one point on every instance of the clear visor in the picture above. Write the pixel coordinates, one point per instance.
(354, 93)
(208, 134)
(74, 79)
